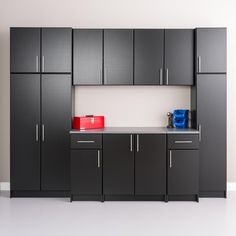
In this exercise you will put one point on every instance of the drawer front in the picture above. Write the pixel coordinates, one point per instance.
(86, 141)
(183, 141)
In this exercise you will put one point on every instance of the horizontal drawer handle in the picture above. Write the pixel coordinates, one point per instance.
(183, 141)
(87, 141)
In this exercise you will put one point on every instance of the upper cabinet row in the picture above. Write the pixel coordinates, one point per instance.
(46, 50)
(140, 57)
(120, 56)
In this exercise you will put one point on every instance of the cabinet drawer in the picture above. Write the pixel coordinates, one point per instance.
(86, 141)
(183, 141)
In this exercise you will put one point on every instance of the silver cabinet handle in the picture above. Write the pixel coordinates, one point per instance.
(199, 64)
(37, 132)
(137, 142)
(37, 63)
(167, 76)
(100, 76)
(170, 159)
(85, 141)
(43, 133)
(183, 141)
(161, 76)
(105, 76)
(200, 132)
(131, 142)
(43, 64)
(98, 159)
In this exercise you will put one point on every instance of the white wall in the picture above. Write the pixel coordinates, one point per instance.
(118, 14)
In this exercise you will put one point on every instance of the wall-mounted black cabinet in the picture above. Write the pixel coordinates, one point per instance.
(211, 50)
(46, 50)
(40, 124)
(148, 56)
(118, 57)
(87, 57)
(179, 56)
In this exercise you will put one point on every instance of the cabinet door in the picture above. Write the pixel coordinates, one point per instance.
(86, 172)
(56, 50)
(87, 54)
(179, 56)
(25, 142)
(211, 116)
(148, 56)
(211, 50)
(56, 124)
(118, 164)
(25, 50)
(150, 164)
(183, 172)
(118, 57)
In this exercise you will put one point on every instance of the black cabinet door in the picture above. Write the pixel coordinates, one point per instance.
(179, 56)
(211, 50)
(118, 56)
(56, 124)
(56, 50)
(211, 116)
(183, 170)
(25, 50)
(87, 54)
(86, 172)
(25, 142)
(150, 164)
(118, 164)
(148, 56)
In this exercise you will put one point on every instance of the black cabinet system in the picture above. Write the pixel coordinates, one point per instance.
(133, 166)
(46, 62)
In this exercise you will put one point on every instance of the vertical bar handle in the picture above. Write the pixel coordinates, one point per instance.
(43, 138)
(199, 64)
(161, 76)
(100, 76)
(131, 142)
(105, 75)
(170, 158)
(37, 63)
(137, 142)
(200, 132)
(167, 76)
(43, 64)
(36, 132)
(98, 159)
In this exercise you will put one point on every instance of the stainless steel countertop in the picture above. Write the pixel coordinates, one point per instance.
(135, 130)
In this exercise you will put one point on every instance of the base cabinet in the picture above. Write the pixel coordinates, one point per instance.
(183, 172)
(86, 172)
(118, 164)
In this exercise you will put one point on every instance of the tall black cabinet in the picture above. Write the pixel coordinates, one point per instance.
(40, 111)
(209, 106)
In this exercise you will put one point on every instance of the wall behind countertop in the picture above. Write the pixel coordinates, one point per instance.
(119, 14)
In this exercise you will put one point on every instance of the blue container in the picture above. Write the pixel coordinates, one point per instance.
(180, 122)
(181, 113)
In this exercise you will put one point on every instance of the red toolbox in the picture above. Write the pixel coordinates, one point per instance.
(88, 122)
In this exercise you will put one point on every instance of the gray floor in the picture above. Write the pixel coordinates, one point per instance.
(55, 216)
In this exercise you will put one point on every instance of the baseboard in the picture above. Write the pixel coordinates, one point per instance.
(5, 186)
